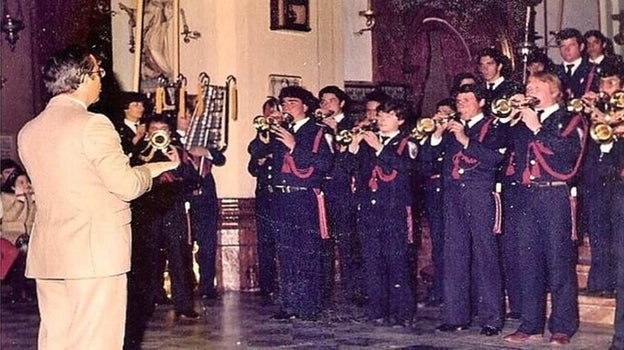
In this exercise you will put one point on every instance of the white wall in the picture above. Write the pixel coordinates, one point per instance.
(580, 14)
(358, 61)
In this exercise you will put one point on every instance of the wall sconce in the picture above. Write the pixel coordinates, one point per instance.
(186, 32)
(369, 14)
(10, 25)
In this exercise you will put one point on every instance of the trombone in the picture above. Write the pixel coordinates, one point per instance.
(503, 107)
(426, 126)
(345, 137)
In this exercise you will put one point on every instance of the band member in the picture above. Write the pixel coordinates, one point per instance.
(373, 100)
(162, 214)
(340, 208)
(596, 189)
(383, 165)
(576, 73)
(495, 69)
(130, 128)
(302, 158)
(617, 217)
(599, 50)
(470, 160)
(547, 146)
(204, 211)
(261, 168)
(430, 173)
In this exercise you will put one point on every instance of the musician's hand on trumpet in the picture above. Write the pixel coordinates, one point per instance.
(323, 115)
(458, 130)
(530, 119)
(284, 136)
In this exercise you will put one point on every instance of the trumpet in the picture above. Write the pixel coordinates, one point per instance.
(502, 107)
(263, 124)
(345, 137)
(607, 132)
(577, 105)
(616, 101)
(319, 115)
(159, 140)
(426, 126)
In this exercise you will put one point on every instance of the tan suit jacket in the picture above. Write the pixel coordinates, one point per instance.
(84, 184)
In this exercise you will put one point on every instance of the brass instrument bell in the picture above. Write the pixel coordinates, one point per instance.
(262, 123)
(616, 101)
(160, 139)
(502, 107)
(426, 126)
(345, 137)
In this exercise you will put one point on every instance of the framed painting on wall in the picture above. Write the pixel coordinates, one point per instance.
(290, 15)
(277, 82)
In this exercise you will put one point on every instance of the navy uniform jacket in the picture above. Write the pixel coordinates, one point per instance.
(551, 155)
(477, 164)
(577, 84)
(126, 134)
(306, 165)
(383, 179)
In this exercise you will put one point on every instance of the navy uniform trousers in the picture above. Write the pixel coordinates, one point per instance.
(548, 260)
(512, 274)
(383, 233)
(433, 207)
(617, 218)
(468, 223)
(298, 251)
(597, 196)
(267, 267)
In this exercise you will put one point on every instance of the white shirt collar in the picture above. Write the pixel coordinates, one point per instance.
(339, 117)
(597, 60)
(132, 125)
(548, 111)
(474, 120)
(576, 63)
(496, 82)
(298, 124)
(390, 136)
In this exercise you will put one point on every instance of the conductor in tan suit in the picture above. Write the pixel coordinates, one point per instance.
(79, 250)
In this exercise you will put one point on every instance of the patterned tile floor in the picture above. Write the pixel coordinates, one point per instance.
(242, 321)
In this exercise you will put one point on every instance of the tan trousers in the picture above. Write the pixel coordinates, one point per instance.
(82, 313)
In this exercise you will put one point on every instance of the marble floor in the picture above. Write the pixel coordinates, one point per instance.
(242, 321)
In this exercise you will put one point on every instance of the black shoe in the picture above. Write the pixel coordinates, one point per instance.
(283, 315)
(163, 301)
(378, 321)
(209, 296)
(489, 331)
(402, 324)
(513, 316)
(187, 314)
(452, 327)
